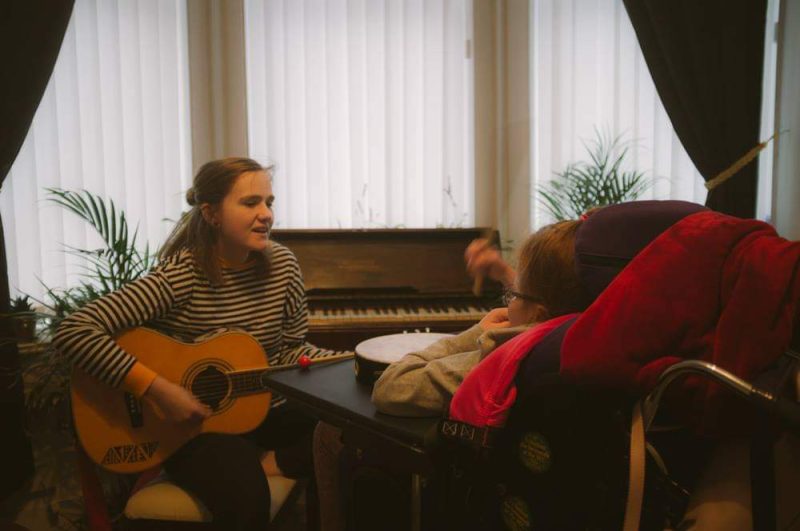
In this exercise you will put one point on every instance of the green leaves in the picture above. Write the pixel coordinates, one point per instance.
(119, 261)
(107, 269)
(45, 370)
(21, 304)
(585, 185)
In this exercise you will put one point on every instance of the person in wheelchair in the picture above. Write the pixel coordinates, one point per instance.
(688, 283)
(422, 383)
(703, 287)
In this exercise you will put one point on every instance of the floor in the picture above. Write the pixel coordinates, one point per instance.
(38, 506)
(28, 509)
(52, 499)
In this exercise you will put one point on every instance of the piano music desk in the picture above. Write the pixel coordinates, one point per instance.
(331, 393)
(362, 283)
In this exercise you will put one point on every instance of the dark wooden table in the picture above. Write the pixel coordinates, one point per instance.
(331, 393)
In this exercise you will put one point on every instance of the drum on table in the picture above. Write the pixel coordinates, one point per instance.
(375, 354)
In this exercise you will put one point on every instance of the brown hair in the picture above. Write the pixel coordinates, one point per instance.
(211, 184)
(546, 266)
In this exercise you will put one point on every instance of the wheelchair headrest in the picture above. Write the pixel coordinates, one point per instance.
(613, 235)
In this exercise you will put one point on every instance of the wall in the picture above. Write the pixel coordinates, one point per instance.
(217, 80)
(786, 183)
(502, 117)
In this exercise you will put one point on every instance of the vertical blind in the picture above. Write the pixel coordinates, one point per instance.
(588, 73)
(366, 107)
(114, 120)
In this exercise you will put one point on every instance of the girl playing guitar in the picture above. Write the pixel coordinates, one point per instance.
(218, 269)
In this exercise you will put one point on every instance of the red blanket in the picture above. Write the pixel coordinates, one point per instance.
(487, 393)
(711, 287)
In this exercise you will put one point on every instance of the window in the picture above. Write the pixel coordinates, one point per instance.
(114, 120)
(367, 109)
(588, 72)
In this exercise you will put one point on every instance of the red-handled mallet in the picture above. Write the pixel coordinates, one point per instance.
(304, 362)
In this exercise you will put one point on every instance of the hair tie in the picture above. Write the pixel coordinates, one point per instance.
(584, 216)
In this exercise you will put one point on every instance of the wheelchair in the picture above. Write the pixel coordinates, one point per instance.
(591, 457)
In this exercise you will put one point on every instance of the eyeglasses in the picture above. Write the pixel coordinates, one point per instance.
(509, 295)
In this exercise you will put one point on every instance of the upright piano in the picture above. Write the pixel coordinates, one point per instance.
(371, 282)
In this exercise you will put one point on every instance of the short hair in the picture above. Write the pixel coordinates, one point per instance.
(546, 268)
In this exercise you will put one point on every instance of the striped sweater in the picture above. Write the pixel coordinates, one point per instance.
(176, 298)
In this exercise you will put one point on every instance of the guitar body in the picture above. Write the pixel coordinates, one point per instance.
(126, 435)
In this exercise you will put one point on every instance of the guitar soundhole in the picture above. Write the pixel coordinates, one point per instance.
(211, 387)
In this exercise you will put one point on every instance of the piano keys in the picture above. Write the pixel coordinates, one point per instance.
(365, 283)
(399, 313)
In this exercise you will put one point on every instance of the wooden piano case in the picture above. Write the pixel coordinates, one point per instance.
(370, 282)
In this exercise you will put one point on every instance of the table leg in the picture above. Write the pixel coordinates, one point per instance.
(416, 502)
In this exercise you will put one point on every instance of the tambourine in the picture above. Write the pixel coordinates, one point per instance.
(375, 354)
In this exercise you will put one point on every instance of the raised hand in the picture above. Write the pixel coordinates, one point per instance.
(483, 259)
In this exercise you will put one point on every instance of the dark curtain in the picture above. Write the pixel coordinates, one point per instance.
(706, 60)
(31, 32)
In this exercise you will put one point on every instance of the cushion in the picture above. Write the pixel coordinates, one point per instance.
(161, 499)
(612, 236)
(488, 391)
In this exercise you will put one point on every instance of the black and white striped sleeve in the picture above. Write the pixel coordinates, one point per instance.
(295, 322)
(86, 336)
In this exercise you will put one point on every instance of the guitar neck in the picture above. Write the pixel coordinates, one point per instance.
(247, 382)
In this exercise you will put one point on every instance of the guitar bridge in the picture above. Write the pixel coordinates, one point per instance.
(134, 407)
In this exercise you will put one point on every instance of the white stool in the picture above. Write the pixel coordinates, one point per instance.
(161, 499)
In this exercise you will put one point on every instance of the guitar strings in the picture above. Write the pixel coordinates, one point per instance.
(219, 399)
(219, 386)
(220, 396)
(231, 380)
(223, 390)
(234, 385)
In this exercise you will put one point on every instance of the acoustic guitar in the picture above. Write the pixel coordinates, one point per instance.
(124, 434)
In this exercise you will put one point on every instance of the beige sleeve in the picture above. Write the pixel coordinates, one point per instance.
(422, 383)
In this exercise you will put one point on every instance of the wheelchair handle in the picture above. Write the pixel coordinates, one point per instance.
(787, 410)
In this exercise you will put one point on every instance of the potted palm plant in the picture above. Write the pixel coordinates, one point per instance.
(24, 318)
(46, 373)
(601, 181)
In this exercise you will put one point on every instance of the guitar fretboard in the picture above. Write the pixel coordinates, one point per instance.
(245, 383)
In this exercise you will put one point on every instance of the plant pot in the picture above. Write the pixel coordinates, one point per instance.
(25, 328)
